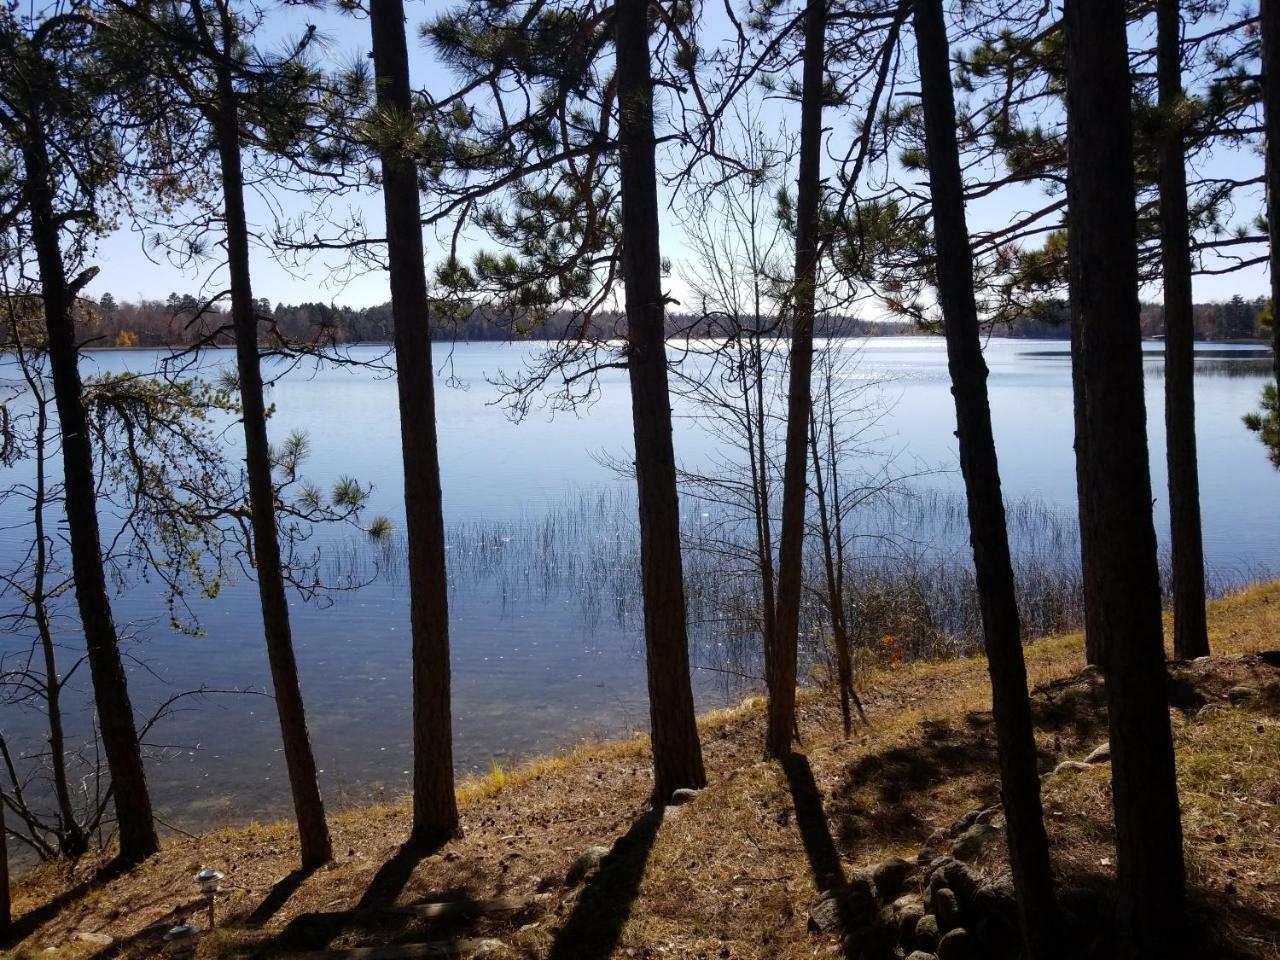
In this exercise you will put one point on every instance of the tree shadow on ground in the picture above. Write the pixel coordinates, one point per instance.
(392, 877)
(595, 926)
(1216, 925)
(880, 797)
(152, 935)
(811, 820)
(276, 897)
(31, 921)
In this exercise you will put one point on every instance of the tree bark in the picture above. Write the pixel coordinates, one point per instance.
(6, 907)
(677, 754)
(1101, 214)
(1190, 632)
(435, 806)
(73, 840)
(782, 665)
(134, 819)
(1002, 630)
(835, 601)
(1088, 536)
(758, 455)
(1269, 13)
(316, 848)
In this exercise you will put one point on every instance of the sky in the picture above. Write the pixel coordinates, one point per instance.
(129, 273)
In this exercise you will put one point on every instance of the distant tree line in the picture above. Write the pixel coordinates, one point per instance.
(184, 319)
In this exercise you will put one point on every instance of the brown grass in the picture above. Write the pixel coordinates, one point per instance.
(731, 874)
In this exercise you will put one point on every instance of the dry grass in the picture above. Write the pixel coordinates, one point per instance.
(730, 875)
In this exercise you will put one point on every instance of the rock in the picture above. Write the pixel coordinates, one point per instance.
(971, 844)
(95, 938)
(957, 945)
(946, 908)
(1070, 766)
(587, 863)
(964, 823)
(953, 874)
(1239, 696)
(852, 908)
(995, 913)
(908, 917)
(890, 877)
(873, 941)
(825, 916)
(926, 933)
(1099, 754)
(991, 814)
(683, 796)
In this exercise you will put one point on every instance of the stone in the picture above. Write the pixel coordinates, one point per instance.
(926, 932)
(1099, 754)
(957, 944)
(587, 863)
(971, 844)
(1242, 695)
(964, 823)
(683, 795)
(890, 877)
(873, 941)
(908, 917)
(945, 907)
(951, 873)
(991, 814)
(1070, 766)
(995, 913)
(846, 909)
(94, 938)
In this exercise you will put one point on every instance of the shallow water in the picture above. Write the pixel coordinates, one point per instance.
(546, 644)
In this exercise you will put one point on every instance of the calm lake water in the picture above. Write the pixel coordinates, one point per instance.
(548, 652)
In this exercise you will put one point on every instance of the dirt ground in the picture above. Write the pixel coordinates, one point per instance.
(731, 874)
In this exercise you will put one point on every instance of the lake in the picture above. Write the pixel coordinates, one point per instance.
(546, 648)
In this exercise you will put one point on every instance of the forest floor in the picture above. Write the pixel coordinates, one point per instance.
(735, 872)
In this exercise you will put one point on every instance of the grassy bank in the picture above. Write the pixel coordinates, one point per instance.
(733, 873)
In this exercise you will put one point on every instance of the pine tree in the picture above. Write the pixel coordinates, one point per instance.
(435, 809)
(1002, 629)
(1104, 269)
(1190, 631)
(52, 118)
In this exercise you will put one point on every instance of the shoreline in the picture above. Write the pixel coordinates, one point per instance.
(731, 870)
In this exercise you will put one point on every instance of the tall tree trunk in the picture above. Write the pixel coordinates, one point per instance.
(1002, 630)
(835, 602)
(71, 836)
(134, 819)
(782, 672)
(1089, 537)
(435, 806)
(677, 754)
(1190, 632)
(1105, 274)
(1269, 11)
(313, 830)
(6, 907)
(758, 456)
